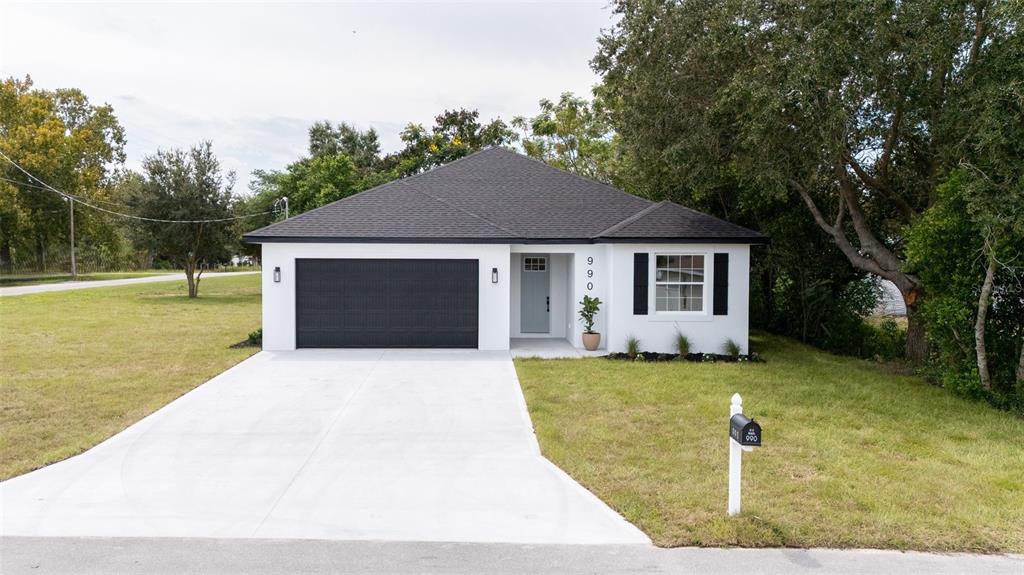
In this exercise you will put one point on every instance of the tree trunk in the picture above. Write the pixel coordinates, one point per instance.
(916, 350)
(193, 282)
(979, 324)
(1020, 365)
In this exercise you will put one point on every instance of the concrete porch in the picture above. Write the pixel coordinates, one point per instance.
(548, 348)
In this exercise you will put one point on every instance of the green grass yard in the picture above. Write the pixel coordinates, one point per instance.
(853, 456)
(78, 366)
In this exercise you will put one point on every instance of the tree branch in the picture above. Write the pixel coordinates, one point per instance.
(979, 33)
(869, 244)
(906, 211)
(839, 237)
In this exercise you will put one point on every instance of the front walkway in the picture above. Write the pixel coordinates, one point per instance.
(549, 348)
(401, 445)
(75, 285)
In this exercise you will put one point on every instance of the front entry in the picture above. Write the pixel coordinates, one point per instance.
(535, 294)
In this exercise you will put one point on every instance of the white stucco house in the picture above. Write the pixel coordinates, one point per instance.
(498, 246)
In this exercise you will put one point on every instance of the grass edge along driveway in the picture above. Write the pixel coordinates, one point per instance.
(853, 456)
(77, 367)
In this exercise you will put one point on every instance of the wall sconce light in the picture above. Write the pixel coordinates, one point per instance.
(494, 275)
(277, 275)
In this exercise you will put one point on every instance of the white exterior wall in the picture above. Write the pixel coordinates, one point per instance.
(279, 298)
(657, 330)
(599, 270)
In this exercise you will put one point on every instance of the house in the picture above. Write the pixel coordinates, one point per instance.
(496, 246)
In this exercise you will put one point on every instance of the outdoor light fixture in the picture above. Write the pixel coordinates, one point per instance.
(494, 275)
(277, 275)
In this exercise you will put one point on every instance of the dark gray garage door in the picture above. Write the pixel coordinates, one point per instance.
(386, 303)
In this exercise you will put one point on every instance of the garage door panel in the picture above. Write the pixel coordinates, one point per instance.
(386, 303)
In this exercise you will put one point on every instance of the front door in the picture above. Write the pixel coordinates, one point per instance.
(535, 294)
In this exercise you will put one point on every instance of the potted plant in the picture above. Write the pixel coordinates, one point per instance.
(589, 309)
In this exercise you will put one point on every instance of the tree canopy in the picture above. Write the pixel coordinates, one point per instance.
(69, 143)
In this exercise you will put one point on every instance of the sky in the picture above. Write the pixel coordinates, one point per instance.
(252, 77)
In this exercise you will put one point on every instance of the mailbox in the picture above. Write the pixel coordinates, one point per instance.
(744, 431)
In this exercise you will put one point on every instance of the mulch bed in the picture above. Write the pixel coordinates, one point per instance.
(246, 343)
(695, 357)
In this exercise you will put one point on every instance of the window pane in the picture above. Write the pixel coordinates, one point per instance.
(662, 261)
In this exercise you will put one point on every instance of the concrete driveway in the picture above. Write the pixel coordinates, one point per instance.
(321, 444)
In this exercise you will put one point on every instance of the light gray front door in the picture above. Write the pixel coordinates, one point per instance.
(535, 294)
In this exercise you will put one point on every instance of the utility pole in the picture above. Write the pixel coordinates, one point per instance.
(74, 266)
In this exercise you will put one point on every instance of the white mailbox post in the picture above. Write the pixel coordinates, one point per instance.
(744, 435)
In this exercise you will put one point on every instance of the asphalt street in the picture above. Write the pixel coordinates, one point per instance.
(157, 556)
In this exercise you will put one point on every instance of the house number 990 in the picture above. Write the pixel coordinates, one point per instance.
(590, 273)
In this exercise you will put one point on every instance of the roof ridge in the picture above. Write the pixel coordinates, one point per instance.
(463, 210)
(625, 222)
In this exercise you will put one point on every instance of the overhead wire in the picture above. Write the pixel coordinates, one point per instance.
(44, 186)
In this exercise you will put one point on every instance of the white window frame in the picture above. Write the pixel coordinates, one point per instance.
(653, 293)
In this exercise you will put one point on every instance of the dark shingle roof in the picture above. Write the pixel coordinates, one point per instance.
(497, 195)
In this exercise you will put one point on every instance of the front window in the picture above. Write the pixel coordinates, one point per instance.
(679, 283)
(535, 264)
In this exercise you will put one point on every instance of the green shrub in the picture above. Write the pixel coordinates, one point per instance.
(682, 344)
(256, 337)
(632, 347)
(731, 347)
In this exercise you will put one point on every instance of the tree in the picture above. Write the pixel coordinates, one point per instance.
(65, 141)
(969, 245)
(362, 148)
(455, 134)
(187, 185)
(843, 105)
(575, 135)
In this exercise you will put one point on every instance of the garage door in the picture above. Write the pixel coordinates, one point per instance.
(386, 303)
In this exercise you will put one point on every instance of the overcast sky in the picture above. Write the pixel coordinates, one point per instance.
(253, 77)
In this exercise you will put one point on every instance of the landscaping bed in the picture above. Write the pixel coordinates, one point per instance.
(695, 357)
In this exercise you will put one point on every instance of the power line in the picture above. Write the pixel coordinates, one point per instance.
(75, 198)
(27, 185)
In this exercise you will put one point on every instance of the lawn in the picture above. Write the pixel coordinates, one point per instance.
(854, 455)
(77, 367)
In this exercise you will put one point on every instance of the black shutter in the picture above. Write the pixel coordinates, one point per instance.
(640, 273)
(721, 297)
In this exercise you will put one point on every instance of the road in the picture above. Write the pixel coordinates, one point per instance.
(41, 556)
(65, 286)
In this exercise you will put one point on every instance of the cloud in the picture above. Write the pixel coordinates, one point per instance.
(252, 78)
